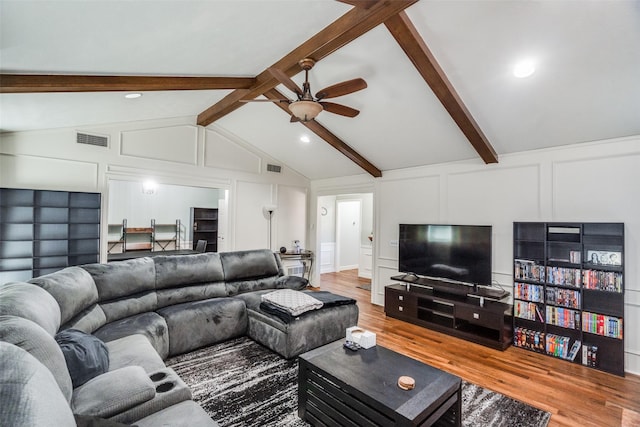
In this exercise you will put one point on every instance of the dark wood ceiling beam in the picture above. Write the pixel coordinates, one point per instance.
(343, 30)
(329, 137)
(365, 4)
(28, 83)
(416, 49)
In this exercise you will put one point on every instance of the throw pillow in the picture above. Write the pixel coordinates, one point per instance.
(294, 302)
(86, 355)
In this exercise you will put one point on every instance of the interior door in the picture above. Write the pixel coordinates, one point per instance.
(348, 234)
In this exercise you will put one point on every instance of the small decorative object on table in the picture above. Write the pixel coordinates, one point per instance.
(350, 345)
(406, 383)
(361, 337)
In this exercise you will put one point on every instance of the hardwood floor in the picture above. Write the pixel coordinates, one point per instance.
(575, 395)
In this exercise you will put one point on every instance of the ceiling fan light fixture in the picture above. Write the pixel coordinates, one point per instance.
(305, 110)
(524, 68)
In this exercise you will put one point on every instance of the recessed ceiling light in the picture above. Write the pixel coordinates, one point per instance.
(133, 95)
(305, 139)
(524, 68)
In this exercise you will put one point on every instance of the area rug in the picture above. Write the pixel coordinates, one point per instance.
(366, 287)
(241, 383)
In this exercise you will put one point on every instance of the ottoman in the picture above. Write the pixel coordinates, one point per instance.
(304, 333)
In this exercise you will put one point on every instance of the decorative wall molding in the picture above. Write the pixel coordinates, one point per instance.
(175, 144)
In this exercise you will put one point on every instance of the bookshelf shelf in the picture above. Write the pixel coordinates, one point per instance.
(569, 292)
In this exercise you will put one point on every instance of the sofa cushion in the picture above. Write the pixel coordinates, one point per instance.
(29, 394)
(238, 287)
(122, 279)
(197, 324)
(88, 320)
(31, 302)
(179, 295)
(151, 325)
(129, 306)
(133, 350)
(246, 265)
(113, 392)
(86, 355)
(73, 288)
(296, 283)
(33, 338)
(179, 270)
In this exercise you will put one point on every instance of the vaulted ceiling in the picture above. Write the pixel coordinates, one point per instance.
(439, 74)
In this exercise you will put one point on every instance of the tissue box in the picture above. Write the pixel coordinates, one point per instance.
(364, 338)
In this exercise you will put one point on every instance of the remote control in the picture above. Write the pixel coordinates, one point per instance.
(350, 345)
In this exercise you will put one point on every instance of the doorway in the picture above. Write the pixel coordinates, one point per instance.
(344, 233)
(348, 226)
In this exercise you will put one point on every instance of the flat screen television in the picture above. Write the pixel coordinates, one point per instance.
(458, 253)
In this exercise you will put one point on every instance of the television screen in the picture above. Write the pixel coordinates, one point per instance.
(461, 253)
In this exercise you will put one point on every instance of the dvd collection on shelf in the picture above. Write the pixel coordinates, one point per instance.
(528, 292)
(527, 310)
(551, 344)
(564, 276)
(563, 297)
(529, 339)
(528, 270)
(590, 355)
(600, 324)
(557, 345)
(602, 280)
(564, 317)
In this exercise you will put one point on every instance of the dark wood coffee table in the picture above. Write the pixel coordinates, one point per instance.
(337, 386)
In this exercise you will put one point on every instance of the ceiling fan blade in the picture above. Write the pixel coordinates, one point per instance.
(340, 109)
(279, 75)
(340, 89)
(265, 100)
(294, 119)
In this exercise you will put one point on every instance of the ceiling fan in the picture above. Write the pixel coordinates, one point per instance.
(307, 107)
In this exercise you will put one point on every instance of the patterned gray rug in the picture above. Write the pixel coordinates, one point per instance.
(241, 383)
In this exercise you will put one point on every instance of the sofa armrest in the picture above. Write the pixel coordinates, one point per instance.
(296, 283)
(113, 392)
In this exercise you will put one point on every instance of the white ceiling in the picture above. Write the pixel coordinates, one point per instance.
(586, 87)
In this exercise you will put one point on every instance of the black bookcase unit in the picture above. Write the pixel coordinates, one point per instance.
(204, 226)
(569, 292)
(45, 231)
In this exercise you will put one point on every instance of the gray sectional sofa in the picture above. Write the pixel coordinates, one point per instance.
(143, 311)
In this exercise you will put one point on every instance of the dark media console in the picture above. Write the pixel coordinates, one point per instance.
(474, 313)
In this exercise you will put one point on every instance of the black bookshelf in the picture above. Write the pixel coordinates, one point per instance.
(569, 292)
(204, 226)
(44, 231)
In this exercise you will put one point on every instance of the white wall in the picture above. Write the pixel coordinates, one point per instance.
(584, 182)
(169, 152)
